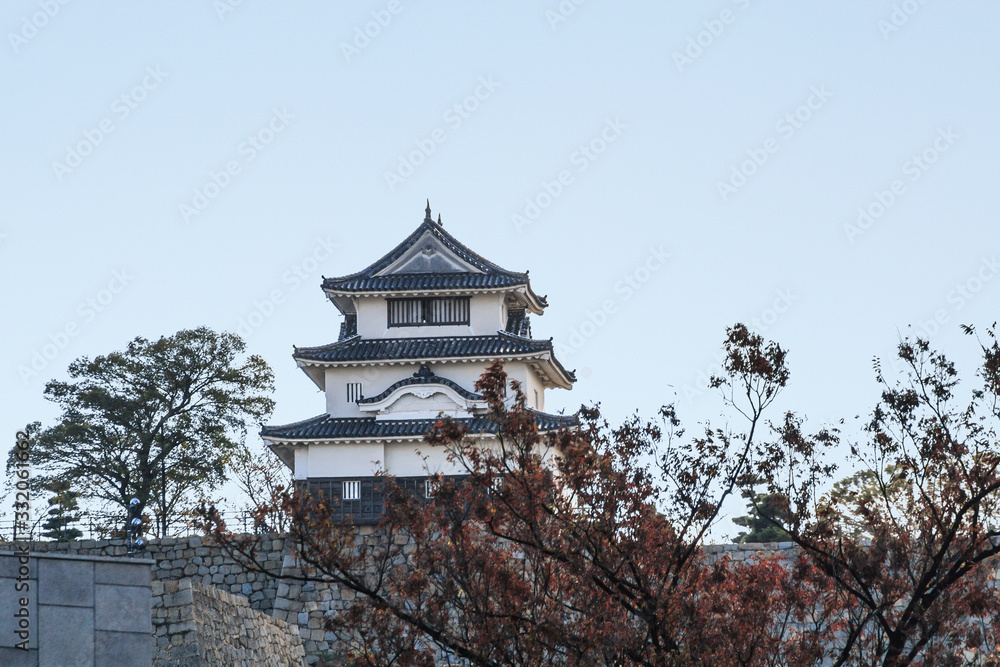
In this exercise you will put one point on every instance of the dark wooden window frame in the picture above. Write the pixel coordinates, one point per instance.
(434, 311)
(368, 509)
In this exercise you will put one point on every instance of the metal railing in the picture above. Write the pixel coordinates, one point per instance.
(94, 525)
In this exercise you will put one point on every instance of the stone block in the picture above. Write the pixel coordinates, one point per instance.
(10, 605)
(124, 649)
(68, 583)
(125, 573)
(10, 566)
(122, 608)
(69, 636)
(182, 627)
(15, 657)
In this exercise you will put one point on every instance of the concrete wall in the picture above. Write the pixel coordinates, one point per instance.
(173, 559)
(81, 610)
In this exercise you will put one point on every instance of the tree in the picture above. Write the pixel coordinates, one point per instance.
(158, 421)
(580, 547)
(584, 547)
(261, 476)
(909, 545)
(767, 515)
(62, 513)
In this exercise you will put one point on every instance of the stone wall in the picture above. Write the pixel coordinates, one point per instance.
(199, 625)
(739, 552)
(79, 610)
(190, 557)
(304, 605)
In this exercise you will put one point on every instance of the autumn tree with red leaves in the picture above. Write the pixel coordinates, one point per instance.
(584, 546)
(909, 545)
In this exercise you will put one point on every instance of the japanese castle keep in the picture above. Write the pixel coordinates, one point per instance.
(420, 327)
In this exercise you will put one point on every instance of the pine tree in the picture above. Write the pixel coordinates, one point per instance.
(766, 510)
(62, 513)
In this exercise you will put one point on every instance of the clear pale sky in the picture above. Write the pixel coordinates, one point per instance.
(826, 172)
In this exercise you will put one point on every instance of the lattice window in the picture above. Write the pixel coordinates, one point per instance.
(436, 311)
(354, 392)
(352, 491)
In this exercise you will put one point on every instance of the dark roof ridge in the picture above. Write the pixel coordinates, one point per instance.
(326, 426)
(454, 244)
(544, 344)
(490, 346)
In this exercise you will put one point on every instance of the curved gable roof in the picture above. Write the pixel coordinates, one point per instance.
(381, 278)
(423, 376)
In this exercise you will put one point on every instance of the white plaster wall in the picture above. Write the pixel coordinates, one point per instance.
(412, 459)
(410, 406)
(302, 463)
(345, 460)
(375, 379)
(486, 317)
(400, 458)
(534, 391)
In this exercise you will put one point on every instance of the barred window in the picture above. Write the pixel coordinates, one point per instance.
(437, 310)
(352, 491)
(354, 392)
(430, 488)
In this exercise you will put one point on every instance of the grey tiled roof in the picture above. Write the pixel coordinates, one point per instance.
(357, 348)
(491, 276)
(400, 282)
(325, 427)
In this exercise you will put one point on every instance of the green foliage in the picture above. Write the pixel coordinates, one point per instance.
(62, 512)
(767, 512)
(158, 421)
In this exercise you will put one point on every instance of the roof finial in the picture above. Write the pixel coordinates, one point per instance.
(439, 221)
(428, 210)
